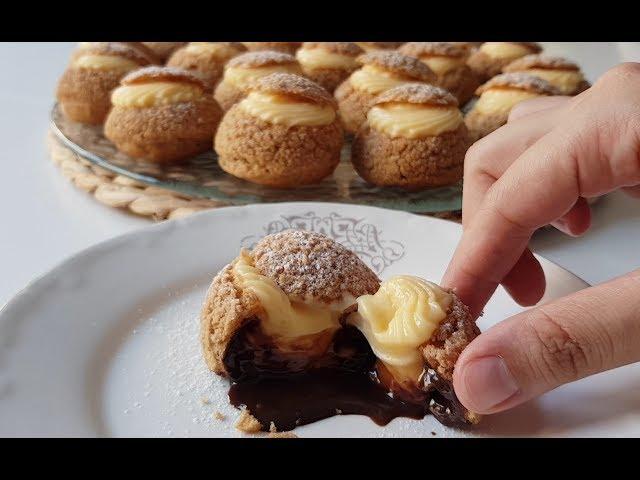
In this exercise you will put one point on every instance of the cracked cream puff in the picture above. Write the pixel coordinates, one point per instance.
(304, 330)
(563, 74)
(289, 291)
(414, 137)
(498, 96)
(448, 62)
(328, 63)
(162, 114)
(206, 59)
(163, 50)
(284, 47)
(378, 46)
(417, 330)
(84, 90)
(380, 72)
(241, 71)
(285, 133)
(491, 57)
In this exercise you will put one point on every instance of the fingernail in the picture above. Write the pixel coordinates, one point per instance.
(488, 382)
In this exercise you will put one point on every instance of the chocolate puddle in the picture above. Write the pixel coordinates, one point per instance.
(292, 389)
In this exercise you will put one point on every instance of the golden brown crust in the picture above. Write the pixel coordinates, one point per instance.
(261, 59)
(486, 67)
(133, 51)
(295, 86)
(403, 66)
(227, 95)
(353, 106)
(163, 74)
(341, 48)
(276, 155)
(452, 336)
(226, 308)
(417, 93)
(436, 49)
(410, 163)
(482, 124)
(247, 423)
(310, 266)
(540, 61)
(205, 65)
(85, 94)
(380, 45)
(327, 78)
(164, 133)
(163, 50)
(286, 47)
(520, 81)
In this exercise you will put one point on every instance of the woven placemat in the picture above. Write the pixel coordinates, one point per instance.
(122, 192)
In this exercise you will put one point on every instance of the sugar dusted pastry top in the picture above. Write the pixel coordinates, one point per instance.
(311, 267)
(329, 55)
(415, 111)
(384, 70)
(156, 86)
(244, 69)
(110, 56)
(507, 50)
(371, 46)
(441, 57)
(504, 91)
(221, 50)
(560, 72)
(288, 99)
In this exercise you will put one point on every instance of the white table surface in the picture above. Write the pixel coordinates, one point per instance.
(44, 218)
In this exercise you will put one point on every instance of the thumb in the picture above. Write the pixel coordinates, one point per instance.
(538, 350)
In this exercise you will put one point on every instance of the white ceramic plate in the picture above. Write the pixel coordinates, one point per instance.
(106, 344)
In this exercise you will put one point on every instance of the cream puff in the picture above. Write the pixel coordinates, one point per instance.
(84, 90)
(380, 72)
(163, 50)
(498, 96)
(285, 47)
(328, 63)
(377, 46)
(162, 114)
(304, 330)
(563, 74)
(491, 57)
(417, 330)
(448, 62)
(206, 59)
(290, 292)
(414, 137)
(285, 133)
(241, 71)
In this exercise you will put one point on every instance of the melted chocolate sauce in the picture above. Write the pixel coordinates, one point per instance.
(292, 389)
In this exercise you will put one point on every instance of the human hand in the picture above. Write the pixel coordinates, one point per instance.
(537, 170)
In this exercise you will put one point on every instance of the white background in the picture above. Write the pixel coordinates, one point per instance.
(44, 218)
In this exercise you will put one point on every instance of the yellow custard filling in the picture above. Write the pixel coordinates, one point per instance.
(154, 94)
(242, 77)
(217, 50)
(414, 121)
(501, 100)
(504, 50)
(566, 80)
(316, 58)
(374, 80)
(399, 318)
(442, 65)
(282, 317)
(105, 62)
(285, 111)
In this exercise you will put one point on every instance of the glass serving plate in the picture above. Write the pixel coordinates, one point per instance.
(201, 176)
